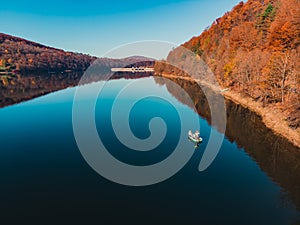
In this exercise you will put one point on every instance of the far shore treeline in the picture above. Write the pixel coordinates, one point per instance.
(22, 56)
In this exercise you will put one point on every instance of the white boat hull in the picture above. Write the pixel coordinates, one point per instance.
(196, 141)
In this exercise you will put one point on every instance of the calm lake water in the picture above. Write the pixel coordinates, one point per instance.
(44, 178)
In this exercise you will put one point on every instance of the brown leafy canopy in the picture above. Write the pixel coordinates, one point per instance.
(31, 56)
(255, 49)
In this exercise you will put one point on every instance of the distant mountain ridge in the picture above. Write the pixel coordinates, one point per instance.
(29, 56)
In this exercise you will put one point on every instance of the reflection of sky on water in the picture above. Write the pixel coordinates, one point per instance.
(42, 171)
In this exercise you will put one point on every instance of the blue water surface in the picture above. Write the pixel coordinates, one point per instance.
(45, 178)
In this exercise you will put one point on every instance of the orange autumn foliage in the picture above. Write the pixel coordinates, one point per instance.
(255, 49)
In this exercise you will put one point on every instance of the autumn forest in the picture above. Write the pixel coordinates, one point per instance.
(254, 50)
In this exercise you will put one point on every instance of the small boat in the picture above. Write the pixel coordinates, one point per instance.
(195, 138)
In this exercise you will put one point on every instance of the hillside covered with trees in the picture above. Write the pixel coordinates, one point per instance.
(28, 56)
(253, 50)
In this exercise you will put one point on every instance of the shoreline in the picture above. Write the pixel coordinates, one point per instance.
(271, 117)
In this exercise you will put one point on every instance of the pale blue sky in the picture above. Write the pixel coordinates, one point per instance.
(95, 27)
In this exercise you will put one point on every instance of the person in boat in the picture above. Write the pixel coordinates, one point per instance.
(195, 136)
(191, 134)
(197, 133)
